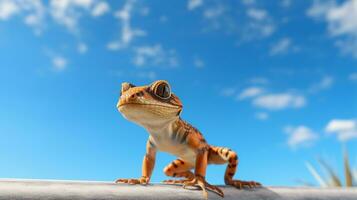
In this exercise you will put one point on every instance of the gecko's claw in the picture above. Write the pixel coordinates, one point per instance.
(133, 181)
(203, 185)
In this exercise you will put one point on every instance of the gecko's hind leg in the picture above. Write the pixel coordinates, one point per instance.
(220, 155)
(178, 169)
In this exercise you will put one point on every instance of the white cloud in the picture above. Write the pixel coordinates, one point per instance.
(155, 56)
(36, 17)
(214, 12)
(300, 136)
(251, 24)
(250, 92)
(193, 4)
(262, 115)
(345, 129)
(7, 9)
(260, 24)
(67, 12)
(256, 14)
(198, 62)
(283, 46)
(59, 63)
(325, 83)
(127, 32)
(279, 101)
(114, 45)
(82, 48)
(353, 76)
(32, 11)
(341, 20)
(100, 9)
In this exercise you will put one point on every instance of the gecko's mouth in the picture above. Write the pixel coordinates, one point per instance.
(147, 104)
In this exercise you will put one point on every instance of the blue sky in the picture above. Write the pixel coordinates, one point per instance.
(275, 82)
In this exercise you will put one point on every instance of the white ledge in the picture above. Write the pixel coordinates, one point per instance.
(81, 190)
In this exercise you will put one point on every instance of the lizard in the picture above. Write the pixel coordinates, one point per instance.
(156, 108)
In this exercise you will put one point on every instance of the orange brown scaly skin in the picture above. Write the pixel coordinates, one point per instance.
(158, 110)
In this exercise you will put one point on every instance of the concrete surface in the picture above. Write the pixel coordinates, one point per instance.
(48, 189)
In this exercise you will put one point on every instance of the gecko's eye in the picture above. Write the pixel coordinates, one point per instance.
(163, 90)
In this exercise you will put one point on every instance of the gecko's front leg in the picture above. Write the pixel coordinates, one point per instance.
(200, 172)
(147, 166)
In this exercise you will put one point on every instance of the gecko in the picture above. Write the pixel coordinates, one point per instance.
(156, 108)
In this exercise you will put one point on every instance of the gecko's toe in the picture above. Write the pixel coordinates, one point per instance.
(130, 181)
(188, 183)
(215, 189)
(241, 184)
(171, 181)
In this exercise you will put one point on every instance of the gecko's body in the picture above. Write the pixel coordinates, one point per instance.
(158, 110)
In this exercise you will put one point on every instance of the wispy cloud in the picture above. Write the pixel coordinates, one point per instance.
(257, 14)
(279, 101)
(155, 55)
(82, 48)
(7, 9)
(66, 12)
(341, 20)
(262, 115)
(325, 83)
(198, 62)
(261, 24)
(193, 4)
(283, 46)
(254, 23)
(353, 76)
(100, 8)
(127, 33)
(59, 63)
(345, 129)
(214, 12)
(300, 136)
(33, 12)
(250, 92)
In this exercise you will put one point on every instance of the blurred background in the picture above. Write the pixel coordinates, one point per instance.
(273, 80)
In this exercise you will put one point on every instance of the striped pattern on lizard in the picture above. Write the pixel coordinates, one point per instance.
(158, 110)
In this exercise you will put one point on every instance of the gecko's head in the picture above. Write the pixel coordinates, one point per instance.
(149, 105)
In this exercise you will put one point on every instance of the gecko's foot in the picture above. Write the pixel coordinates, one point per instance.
(133, 181)
(241, 184)
(201, 182)
(176, 181)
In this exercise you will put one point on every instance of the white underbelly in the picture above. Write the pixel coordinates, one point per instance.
(180, 150)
